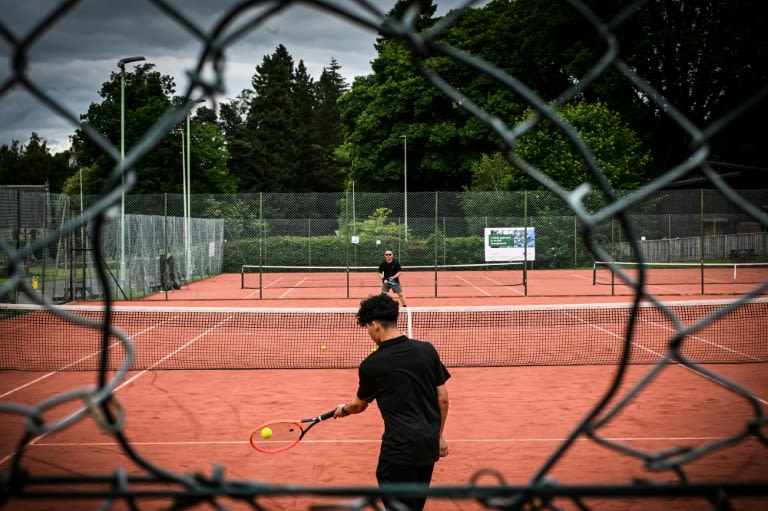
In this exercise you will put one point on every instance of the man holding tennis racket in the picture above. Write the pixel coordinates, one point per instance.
(389, 271)
(407, 379)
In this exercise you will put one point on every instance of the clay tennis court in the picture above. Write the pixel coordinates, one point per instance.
(479, 287)
(510, 419)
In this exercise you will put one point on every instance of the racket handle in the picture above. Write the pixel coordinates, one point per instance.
(328, 415)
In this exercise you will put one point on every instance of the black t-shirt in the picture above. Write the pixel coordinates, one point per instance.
(402, 376)
(389, 269)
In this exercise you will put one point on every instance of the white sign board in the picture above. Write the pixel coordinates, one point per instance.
(510, 244)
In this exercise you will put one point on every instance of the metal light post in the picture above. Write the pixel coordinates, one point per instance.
(405, 181)
(187, 191)
(121, 64)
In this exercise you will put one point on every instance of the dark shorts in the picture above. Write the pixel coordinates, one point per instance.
(396, 288)
(387, 472)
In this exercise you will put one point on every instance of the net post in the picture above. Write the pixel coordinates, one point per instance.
(165, 238)
(347, 280)
(613, 279)
(435, 236)
(525, 278)
(701, 235)
(594, 273)
(261, 284)
(242, 276)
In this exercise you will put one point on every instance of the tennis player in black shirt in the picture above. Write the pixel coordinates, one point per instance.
(407, 379)
(389, 271)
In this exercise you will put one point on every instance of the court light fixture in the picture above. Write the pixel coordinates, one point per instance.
(121, 64)
(186, 190)
(405, 182)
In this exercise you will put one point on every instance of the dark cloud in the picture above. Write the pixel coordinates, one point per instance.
(75, 55)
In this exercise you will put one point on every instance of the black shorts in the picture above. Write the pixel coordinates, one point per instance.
(387, 472)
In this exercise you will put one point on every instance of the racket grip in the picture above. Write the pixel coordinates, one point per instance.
(328, 415)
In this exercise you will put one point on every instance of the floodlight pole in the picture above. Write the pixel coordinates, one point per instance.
(405, 181)
(121, 64)
(187, 191)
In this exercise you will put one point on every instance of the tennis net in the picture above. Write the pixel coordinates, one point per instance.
(706, 277)
(347, 280)
(36, 339)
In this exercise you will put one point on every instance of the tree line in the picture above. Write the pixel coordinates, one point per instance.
(292, 133)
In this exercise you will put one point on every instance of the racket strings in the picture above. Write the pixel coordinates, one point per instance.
(276, 436)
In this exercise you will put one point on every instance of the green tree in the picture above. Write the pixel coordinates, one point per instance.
(492, 172)
(287, 141)
(72, 184)
(616, 148)
(232, 116)
(273, 127)
(148, 96)
(705, 58)
(395, 102)
(208, 155)
(327, 133)
(33, 164)
(308, 152)
(11, 163)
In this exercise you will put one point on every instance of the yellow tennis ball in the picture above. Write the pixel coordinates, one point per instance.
(323, 347)
(266, 433)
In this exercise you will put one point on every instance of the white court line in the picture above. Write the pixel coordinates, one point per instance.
(129, 380)
(263, 287)
(36, 380)
(501, 284)
(660, 355)
(620, 282)
(296, 286)
(701, 339)
(86, 357)
(486, 293)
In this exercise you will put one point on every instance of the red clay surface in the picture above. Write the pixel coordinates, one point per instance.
(454, 288)
(511, 419)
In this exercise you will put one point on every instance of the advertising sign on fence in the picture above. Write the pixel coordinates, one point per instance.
(510, 244)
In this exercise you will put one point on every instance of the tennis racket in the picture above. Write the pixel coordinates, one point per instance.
(393, 282)
(282, 434)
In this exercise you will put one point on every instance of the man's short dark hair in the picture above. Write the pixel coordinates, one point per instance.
(378, 307)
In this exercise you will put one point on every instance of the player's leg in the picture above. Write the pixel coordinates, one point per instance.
(400, 294)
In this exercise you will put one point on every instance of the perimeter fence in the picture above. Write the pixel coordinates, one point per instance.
(670, 471)
(227, 232)
(142, 252)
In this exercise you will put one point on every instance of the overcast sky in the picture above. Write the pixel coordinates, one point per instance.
(75, 56)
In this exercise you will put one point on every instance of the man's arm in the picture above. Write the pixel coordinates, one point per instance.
(357, 405)
(443, 402)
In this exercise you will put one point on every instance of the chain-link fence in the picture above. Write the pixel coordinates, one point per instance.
(145, 250)
(163, 250)
(448, 227)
